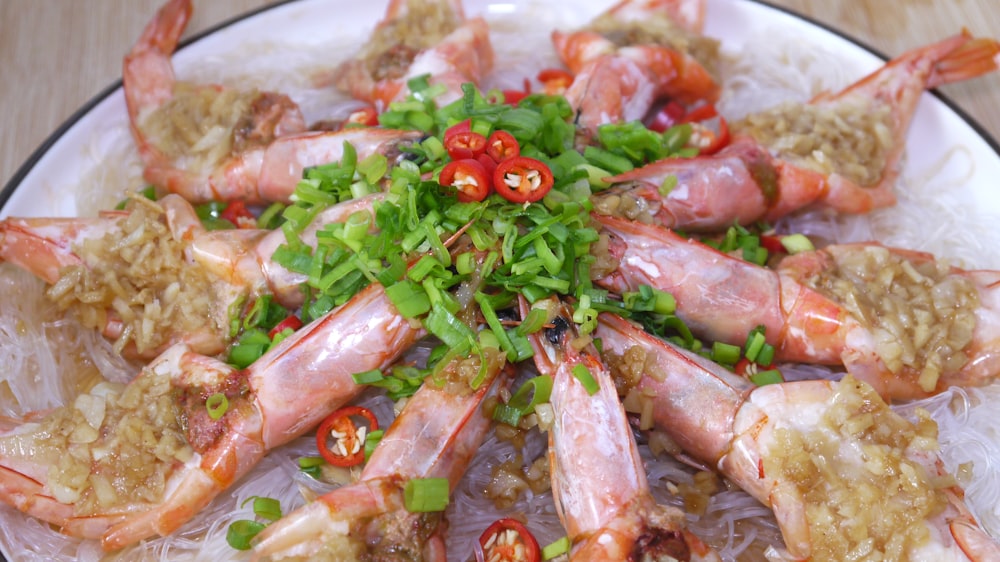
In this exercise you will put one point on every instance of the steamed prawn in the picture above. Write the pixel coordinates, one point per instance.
(206, 272)
(605, 506)
(828, 306)
(416, 38)
(633, 55)
(840, 152)
(75, 467)
(211, 143)
(435, 436)
(844, 474)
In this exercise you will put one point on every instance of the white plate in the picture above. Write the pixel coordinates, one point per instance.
(40, 187)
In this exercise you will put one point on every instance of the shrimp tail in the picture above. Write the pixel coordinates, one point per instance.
(148, 73)
(975, 57)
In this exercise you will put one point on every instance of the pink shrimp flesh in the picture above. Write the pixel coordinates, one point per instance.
(760, 177)
(606, 507)
(754, 436)
(415, 38)
(435, 436)
(813, 309)
(194, 454)
(264, 147)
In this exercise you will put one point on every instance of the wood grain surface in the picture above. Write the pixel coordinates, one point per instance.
(55, 55)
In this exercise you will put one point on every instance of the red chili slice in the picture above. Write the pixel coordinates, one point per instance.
(772, 244)
(746, 368)
(468, 177)
(508, 540)
(292, 322)
(719, 138)
(489, 164)
(668, 116)
(460, 127)
(502, 145)
(555, 80)
(237, 213)
(465, 144)
(522, 180)
(366, 116)
(349, 441)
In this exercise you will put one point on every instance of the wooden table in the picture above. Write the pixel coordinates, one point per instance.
(57, 54)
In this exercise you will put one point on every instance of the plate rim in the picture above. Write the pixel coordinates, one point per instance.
(29, 164)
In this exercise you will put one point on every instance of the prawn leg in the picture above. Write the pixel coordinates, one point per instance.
(606, 507)
(800, 448)
(435, 436)
(196, 450)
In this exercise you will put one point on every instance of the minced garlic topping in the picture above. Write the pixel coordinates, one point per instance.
(852, 138)
(114, 446)
(864, 496)
(138, 274)
(922, 315)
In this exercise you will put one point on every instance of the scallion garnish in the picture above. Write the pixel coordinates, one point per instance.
(372, 440)
(534, 391)
(724, 353)
(311, 465)
(241, 532)
(770, 376)
(582, 374)
(268, 508)
(555, 548)
(422, 495)
(217, 405)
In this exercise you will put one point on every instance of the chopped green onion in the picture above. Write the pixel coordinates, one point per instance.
(241, 532)
(797, 243)
(217, 405)
(271, 217)
(371, 441)
(582, 374)
(766, 354)
(311, 465)
(268, 508)
(408, 298)
(755, 342)
(534, 391)
(725, 353)
(449, 329)
(422, 495)
(555, 548)
(243, 355)
(597, 177)
(533, 322)
(770, 376)
(606, 160)
(504, 413)
(368, 377)
(668, 185)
